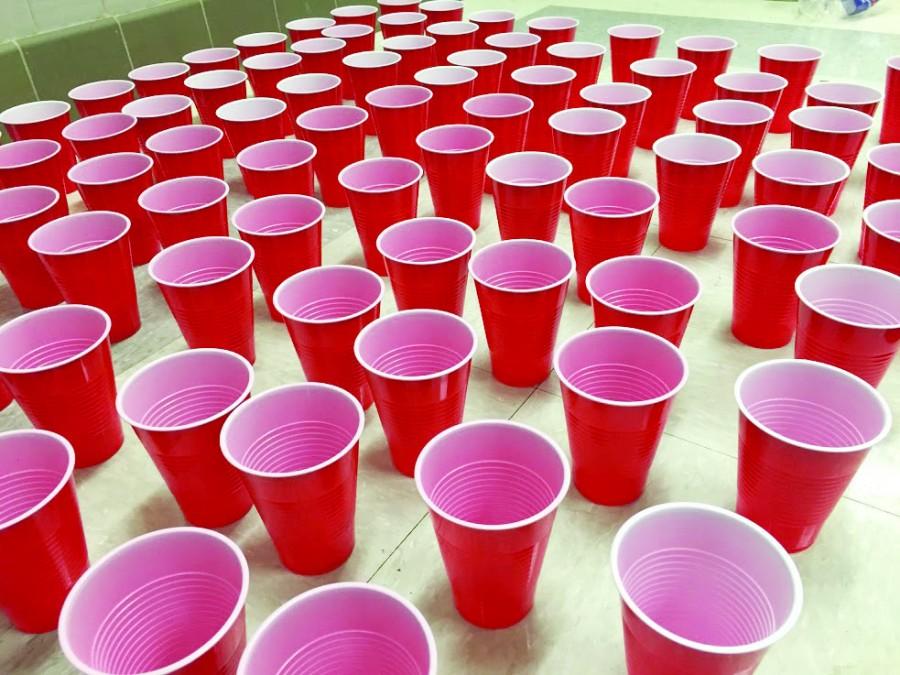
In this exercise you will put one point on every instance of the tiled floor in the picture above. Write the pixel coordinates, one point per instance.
(852, 591)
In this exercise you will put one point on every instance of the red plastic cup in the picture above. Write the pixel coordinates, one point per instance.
(417, 363)
(668, 80)
(395, 6)
(103, 134)
(158, 113)
(631, 42)
(5, 396)
(41, 535)
(451, 37)
(181, 209)
(171, 600)
(103, 96)
(381, 191)
(528, 189)
(41, 119)
(189, 150)
(636, 291)
(451, 87)
(772, 246)
(691, 170)
(488, 63)
(438, 11)
(505, 116)
(849, 317)
(279, 167)
(212, 58)
(844, 95)
(88, 257)
(358, 14)
(427, 261)
(493, 488)
(550, 88)
(323, 625)
(23, 210)
(521, 52)
(455, 158)
(357, 38)
(266, 71)
(56, 362)
(309, 27)
(744, 122)
(252, 120)
(609, 218)
(617, 386)
(491, 22)
(836, 131)
(804, 430)
(795, 63)
(880, 242)
(630, 101)
(114, 183)
(160, 79)
(34, 162)
(207, 285)
(285, 231)
(296, 448)
(401, 23)
(400, 114)
(762, 88)
(703, 590)
(711, 54)
(804, 178)
(521, 286)
(587, 137)
(369, 71)
(338, 132)
(416, 53)
(310, 90)
(882, 174)
(254, 44)
(890, 115)
(211, 90)
(585, 58)
(551, 30)
(324, 308)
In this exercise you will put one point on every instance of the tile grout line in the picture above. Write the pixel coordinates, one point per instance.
(27, 69)
(399, 544)
(277, 17)
(124, 42)
(206, 22)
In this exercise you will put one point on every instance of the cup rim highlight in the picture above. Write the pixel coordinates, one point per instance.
(873, 160)
(370, 59)
(871, 208)
(458, 224)
(240, 159)
(381, 189)
(701, 108)
(158, 187)
(50, 109)
(134, 108)
(595, 49)
(49, 191)
(728, 43)
(524, 100)
(178, 69)
(362, 113)
(814, 53)
(230, 111)
(785, 207)
(609, 262)
(318, 270)
(206, 55)
(112, 181)
(407, 43)
(660, 148)
(614, 179)
(491, 16)
(856, 269)
(566, 164)
(507, 243)
(63, 221)
(489, 57)
(370, 97)
(637, 89)
(210, 80)
(259, 39)
(865, 121)
(640, 66)
(130, 120)
(183, 128)
(554, 120)
(559, 22)
(78, 93)
(270, 61)
(318, 45)
(655, 31)
(430, 131)
(845, 173)
(235, 217)
(284, 85)
(874, 98)
(402, 18)
(505, 40)
(310, 23)
(723, 80)
(564, 74)
(432, 75)
(151, 267)
(50, 143)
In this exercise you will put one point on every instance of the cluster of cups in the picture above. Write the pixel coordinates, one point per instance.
(475, 108)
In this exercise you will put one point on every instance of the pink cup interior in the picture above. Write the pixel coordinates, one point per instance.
(342, 628)
(621, 366)
(491, 473)
(810, 403)
(415, 344)
(885, 157)
(522, 265)
(326, 294)
(843, 93)
(445, 75)
(399, 96)
(183, 194)
(786, 228)
(543, 75)
(790, 53)
(401, 43)
(854, 294)
(402, 18)
(426, 240)
(635, 31)
(24, 201)
(576, 50)
(184, 138)
(491, 16)
(347, 31)
(729, 111)
(452, 28)
(706, 43)
(251, 109)
(282, 153)
(114, 168)
(320, 45)
(498, 105)
(97, 127)
(158, 71)
(371, 59)
(24, 153)
(93, 91)
(215, 79)
(309, 83)
(278, 214)
(200, 261)
(884, 218)
(34, 466)
(476, 58)
(512, 40)
(188, 388)
(803, 167)
(353, 11)
(48, 337)
(528, 168)
(157, 106)
(264, 39)
(211, 55)
(643, 285)
(36, 111)
(586, 121)
(78, 232)
(751, 82)
(380, 174)
(553, 23)
(831, 119)
(612, 197)
(659, 67)
(332, 118)
(706, 575)
(441, 5)
(453, 138)
(272, 61)
(292, 429)
(153, 602)
(698, 149)
(309, 23)
(615, 93)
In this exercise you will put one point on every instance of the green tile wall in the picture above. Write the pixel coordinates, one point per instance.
(229, 18)
(16, 85)
(16, 19)
(296, 9)
(164, 33)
